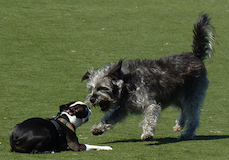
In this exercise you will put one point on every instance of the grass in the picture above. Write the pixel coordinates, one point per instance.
(47, 46)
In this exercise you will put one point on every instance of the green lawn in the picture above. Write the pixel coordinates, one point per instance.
(46, 46)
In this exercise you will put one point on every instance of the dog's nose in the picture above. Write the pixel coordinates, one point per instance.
(92, 99)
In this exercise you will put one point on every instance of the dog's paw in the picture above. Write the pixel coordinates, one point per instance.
(146, 137)
(96, 131)
(97, 148)
(177, 128)
(101, 128)
(184, 137)
(107, 148)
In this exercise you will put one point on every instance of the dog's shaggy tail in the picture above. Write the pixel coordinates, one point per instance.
(203, 37)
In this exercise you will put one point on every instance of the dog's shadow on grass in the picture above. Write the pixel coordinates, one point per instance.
(169, 140)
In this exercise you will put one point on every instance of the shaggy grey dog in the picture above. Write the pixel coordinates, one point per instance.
(149, 86)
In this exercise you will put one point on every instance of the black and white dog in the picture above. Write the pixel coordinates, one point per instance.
(37, 135)
(149, 86)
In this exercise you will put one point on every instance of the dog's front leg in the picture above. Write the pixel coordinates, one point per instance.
(110, 118)
(94, 147)
(152, 113)
(73, 143)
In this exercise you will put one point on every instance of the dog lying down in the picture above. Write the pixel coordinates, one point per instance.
(37, 135)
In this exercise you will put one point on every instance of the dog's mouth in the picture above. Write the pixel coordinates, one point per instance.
(86, 120)
(104, 105)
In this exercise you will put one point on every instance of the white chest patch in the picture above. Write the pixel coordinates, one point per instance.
(73, 119)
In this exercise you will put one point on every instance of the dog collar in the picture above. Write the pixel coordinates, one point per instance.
(67, 123)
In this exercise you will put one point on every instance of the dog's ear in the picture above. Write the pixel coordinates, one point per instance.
(87, 75)
(117, 69)
(63, 107)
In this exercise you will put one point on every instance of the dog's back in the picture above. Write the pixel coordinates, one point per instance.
(34, 134)
(165, 78)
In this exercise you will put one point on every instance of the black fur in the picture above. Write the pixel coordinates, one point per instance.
(38, 135)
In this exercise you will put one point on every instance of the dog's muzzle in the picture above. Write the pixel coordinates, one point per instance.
(92, 100)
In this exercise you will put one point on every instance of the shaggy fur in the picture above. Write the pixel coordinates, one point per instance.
(149, 86)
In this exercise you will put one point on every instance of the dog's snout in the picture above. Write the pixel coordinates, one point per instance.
(92, 99)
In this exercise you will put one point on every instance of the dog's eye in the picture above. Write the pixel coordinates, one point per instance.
(102, 89)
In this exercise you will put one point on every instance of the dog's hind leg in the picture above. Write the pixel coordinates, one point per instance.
(180, 123)
(151, 113)
(191, 109)
(110, 118)
(192, 123)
